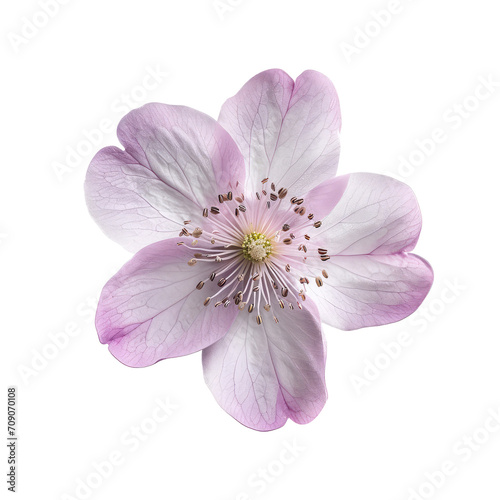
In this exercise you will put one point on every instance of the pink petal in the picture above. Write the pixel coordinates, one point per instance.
(176, 161)
(322, 199)
(151, 309)
(370, 214)
(370, 290)
(264, 374)
(286, 131)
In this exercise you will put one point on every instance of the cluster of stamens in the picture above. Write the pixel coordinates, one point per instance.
(259, 248)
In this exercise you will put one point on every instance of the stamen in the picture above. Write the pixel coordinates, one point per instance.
(282, 193)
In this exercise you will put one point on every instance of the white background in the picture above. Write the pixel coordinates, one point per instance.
(377, 442)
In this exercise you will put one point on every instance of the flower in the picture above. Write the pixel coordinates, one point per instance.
(245, 238)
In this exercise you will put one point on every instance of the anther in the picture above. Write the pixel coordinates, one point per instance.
(285, 227)
(236, 212)
(191, 262)
(324, 273)
(212, 276)
(282, 193)
(276, 319)
(199, 286)
(230, 195)
(214, 210)
(273, 197)
(242, 208)
(322, 251)
(265, 180)
(250, 308)
(319, 281)
(256, 288)
(186, 222)
(307, 237)
(281, 303)
(267, 307)
(287, 241)
(221, 199)
(284, 291)
(325, 258)
(207, 301)
(222, 282)
(273, 187)
(256, 276)
(197, 232)
(317, 224)
(310, 216)
(205, 212)
(287, 268)
(293, 200)
(259, 320)
(258, 196)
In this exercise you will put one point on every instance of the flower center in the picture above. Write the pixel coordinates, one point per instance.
(254, 270)
(256, 247)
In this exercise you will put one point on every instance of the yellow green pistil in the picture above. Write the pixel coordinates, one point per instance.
(256, 247)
